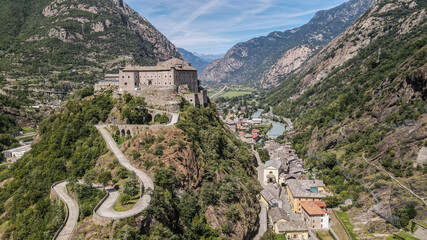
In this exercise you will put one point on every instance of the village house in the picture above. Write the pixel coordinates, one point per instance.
(314, 216)
(305, 190)
(272, 170)
(293, 230)
(256, 121)
(277, 215)
(268, 199)
(16, 153)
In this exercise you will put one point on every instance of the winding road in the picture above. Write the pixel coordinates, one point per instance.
(105, 208)
(72, 211)
(218, 93)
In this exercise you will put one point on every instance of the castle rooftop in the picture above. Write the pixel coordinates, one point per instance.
(177, 64)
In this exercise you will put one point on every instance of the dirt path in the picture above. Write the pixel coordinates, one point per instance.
(397, 181)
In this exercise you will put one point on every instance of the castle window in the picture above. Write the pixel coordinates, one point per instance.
(126, 83)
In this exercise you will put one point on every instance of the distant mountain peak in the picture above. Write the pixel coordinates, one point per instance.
(195, 61)
(252, 61)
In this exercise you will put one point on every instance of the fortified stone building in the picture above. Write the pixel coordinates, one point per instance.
(160, 84)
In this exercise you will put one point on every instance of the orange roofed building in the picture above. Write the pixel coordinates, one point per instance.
(313, 214)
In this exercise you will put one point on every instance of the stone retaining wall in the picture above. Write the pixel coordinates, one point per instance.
(99, 219)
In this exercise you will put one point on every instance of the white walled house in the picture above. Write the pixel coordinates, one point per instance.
(271, 171)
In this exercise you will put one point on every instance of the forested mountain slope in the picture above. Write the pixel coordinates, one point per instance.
(205, 182)
(272, 57)
(366, 92)
(75, 36)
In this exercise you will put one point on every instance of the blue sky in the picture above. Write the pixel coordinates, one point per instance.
(214, 26)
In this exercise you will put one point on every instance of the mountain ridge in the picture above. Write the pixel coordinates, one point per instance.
(195, 61)
(84, 35)
(249, 61)
(360, 100)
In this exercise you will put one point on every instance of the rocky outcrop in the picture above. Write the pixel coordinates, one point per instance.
(287, 64)
(357, 37)
(365, 93)
(96, 33)
(253, 60)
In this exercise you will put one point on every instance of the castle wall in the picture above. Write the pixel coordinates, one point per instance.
(105, 84)
(128, 81)
(156, 78)
(188, 77)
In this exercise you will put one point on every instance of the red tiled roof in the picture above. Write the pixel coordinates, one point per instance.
(320, 204)
(312, 209)
(255, 136)
(256, 131)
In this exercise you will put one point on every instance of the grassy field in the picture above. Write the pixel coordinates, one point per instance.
(231, 94)
(324, 235)
(423, 223)
(24, 138)
(28, 129)
(402, 234)
(338, 229)
(279, 237)
(344, 219)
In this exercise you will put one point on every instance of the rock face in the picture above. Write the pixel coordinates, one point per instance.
(90, 35)
(287, 64)
(357, 37)
(258, 58)
(365, 93)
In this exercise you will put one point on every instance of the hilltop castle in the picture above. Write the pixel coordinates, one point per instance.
(160, 84)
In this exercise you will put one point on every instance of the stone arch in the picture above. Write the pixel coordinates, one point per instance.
(128, 133)
(149, 117)
(123, 133)
(271, 178)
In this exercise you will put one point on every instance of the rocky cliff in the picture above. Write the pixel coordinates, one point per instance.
(364, 95)
(42, 37)
(260, 58)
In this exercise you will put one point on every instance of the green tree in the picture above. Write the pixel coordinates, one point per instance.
(104, 178)
(136, 111)
(128, 233)
(163, 118)
(268, 235)
(131, 186)
(125, 199)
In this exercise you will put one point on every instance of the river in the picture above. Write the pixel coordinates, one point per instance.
(276, 130)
